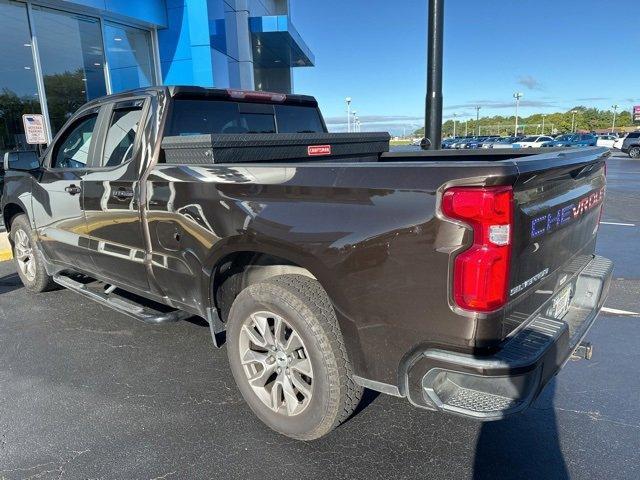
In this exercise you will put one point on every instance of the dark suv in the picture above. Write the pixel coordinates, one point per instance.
(631, 145)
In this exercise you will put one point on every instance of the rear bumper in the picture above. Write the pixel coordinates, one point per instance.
(507, 382)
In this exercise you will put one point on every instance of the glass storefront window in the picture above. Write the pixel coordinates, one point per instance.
(72, 59)
(129, 57)
(18, 87)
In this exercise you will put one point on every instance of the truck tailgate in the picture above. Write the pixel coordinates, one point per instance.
(556, 216)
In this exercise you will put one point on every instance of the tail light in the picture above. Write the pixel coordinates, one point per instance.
(481, 273)
(260, 96)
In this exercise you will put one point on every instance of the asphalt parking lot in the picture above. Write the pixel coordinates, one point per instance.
(88, 393)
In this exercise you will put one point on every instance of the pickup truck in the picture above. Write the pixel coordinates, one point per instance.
(459, 280)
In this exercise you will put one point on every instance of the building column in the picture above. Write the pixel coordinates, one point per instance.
(246, 80)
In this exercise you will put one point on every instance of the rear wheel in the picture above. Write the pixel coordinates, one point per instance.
(28, 258)
(634, 152)
(288, 357)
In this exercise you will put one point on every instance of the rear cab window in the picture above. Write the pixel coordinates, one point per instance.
(206, 116)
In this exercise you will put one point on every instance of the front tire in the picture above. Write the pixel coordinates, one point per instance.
(28, 257)
(288, 357)
(634, 152)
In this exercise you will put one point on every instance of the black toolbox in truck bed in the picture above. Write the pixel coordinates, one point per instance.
(285, 147)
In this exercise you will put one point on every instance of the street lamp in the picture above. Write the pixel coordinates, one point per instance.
(353, 120)
(615, 111)
(478, 118)
(455, 121)
(348, 100)
(543, 117)
(466, 128)
(517, 96)
(573, 121)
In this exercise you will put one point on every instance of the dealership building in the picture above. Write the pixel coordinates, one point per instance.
(58, 54)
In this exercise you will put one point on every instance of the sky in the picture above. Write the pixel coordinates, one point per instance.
(558, 53)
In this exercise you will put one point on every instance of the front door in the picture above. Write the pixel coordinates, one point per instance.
(57, 195)
(111, 194)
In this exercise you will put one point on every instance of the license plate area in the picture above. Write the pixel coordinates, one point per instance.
(560, 303)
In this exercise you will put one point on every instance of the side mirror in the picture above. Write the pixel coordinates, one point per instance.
(425, 144)
(21, 161)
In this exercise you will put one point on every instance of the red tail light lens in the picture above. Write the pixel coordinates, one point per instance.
(481, 273)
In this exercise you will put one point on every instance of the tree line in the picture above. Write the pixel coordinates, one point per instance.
(586, 119)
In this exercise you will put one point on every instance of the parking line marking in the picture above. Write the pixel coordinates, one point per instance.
(619, 224)
(620, 312)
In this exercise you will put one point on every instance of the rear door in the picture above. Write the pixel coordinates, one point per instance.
(57, 195)
(111, 192)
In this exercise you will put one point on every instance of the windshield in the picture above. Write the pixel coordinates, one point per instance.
(565, 138)
(201, 116)
(529, 139)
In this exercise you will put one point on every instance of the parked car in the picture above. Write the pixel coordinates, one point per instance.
(535, 141)
(476, 142)
(489, 141)
(506, 142)
(447, 142)
(619, 141)
(574, 140)
(606, 141)
(330, 264)
(462, 144)
(631, 145)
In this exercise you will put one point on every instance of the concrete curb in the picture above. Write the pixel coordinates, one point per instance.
(5, 248)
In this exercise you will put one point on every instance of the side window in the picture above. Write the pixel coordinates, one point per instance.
(121, 136)
(72, 151)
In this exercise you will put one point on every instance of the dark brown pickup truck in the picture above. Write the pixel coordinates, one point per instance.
(462, 281)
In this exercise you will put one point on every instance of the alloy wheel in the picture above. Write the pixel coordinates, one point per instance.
(24, 254)
(276, 363)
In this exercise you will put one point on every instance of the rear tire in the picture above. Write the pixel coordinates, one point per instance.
(288, 357)
(28, 257)
(634, 152)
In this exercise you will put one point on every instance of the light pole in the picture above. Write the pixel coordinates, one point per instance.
(478, 118)
(466, 128)
(573, 121)
(433, 103)
(455, 121)
(517, 96)
(543, 116)
(615, 111)
(353, 120)
(348, 100)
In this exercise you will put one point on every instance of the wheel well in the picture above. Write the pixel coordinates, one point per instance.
(237, 271)
(10, 211)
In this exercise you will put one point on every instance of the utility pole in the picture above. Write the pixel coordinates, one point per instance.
(455, 120)
(615, 111)
(543, 116)
(433, 104)
(517, 96)
(478, 118)
(348, 100)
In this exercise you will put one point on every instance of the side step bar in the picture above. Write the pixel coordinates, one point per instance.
(122, 305)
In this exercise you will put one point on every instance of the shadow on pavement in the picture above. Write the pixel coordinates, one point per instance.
(9, 283)
(525, 446)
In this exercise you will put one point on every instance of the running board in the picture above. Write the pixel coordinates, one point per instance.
(122, 305)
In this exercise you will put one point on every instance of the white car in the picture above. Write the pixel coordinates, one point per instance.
(607, 141)
(535, 141)
(619, 141)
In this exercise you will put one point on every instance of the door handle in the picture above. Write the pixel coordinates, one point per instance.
(73, 190)
(123, 194)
